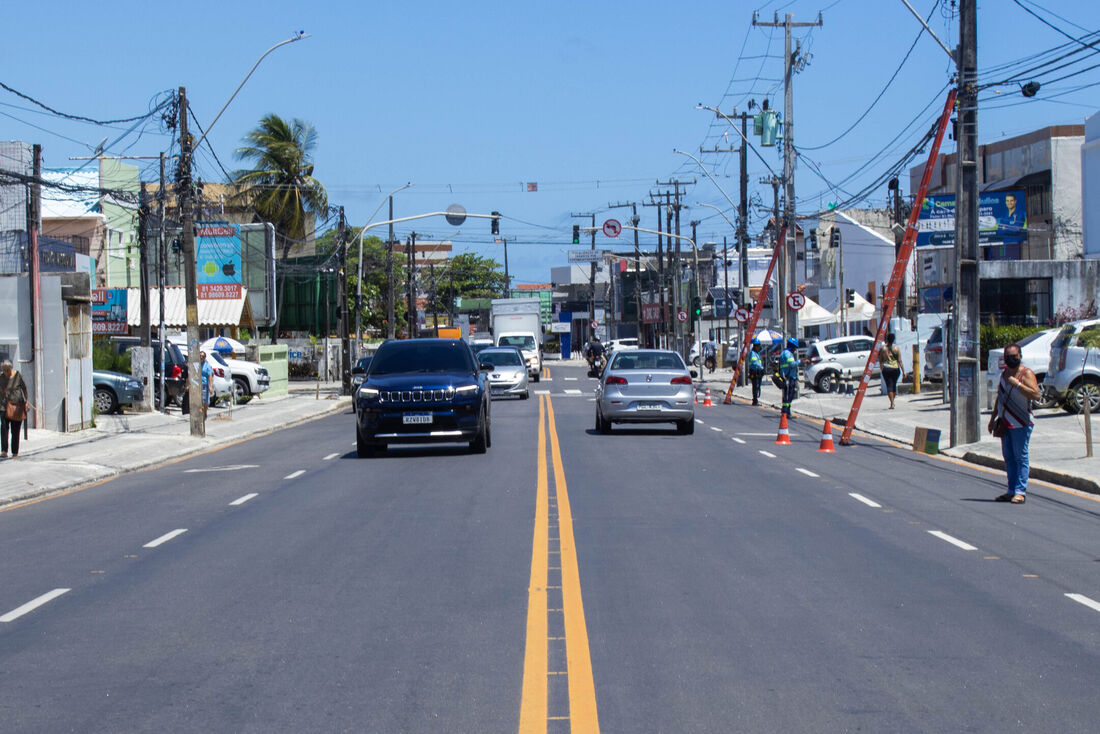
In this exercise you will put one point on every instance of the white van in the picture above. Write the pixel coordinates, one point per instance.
(527, 343)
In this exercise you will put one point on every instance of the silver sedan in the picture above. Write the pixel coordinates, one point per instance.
(509, 373)
(646, 386)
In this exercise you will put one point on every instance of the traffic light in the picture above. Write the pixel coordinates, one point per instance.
(696, 306)
(494, 226)
(813, 239)
(834, 237)
(576, 234)
(851, 292)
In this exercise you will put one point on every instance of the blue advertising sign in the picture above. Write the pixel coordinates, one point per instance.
(218, 260)
(109, 311)
(1002, 219)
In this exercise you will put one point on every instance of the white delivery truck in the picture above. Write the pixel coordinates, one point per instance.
(517, 322)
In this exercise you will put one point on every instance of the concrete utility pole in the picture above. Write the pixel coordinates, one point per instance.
(963, 377)
(677, 272)
(660, 327)
(162, 274)
(778, 304)
(345, 320)
(34, 218)
(591, 272)
(787, 279)
(390, 323)
(410, 281)
(145, 331)
(187, 223)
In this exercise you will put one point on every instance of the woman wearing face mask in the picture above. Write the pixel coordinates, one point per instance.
(1012, 421)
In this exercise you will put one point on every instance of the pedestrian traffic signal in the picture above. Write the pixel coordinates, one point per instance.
(696, 306)
(494, 223)
(576, 234)
(851, 292)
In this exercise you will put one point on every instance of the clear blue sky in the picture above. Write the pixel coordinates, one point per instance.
(471, 101)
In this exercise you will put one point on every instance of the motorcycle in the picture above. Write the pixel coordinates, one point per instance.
(595, 365)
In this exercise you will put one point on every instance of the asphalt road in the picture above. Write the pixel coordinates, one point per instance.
(646, 581)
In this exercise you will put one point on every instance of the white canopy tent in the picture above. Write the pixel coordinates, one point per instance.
(864, 310)
(813, 314)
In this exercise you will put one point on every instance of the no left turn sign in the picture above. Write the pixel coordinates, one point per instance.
(612, 228)
(796, 301)
(681, 315)
(742, 315)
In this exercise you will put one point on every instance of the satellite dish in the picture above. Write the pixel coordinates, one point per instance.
(456, 215)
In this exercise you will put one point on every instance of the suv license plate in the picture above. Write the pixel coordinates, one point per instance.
(415, 418)
(649, 406)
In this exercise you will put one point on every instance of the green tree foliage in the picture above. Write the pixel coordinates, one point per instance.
(280, 186)
(465, 276)
(373, 315)
(998, 336)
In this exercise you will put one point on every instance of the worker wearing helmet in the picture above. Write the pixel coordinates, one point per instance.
(756, 370)
(788, 370)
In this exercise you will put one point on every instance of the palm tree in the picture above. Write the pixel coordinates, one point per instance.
(280, 186)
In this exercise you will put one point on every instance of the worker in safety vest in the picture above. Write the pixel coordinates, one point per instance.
(756, 370)
(788, 370)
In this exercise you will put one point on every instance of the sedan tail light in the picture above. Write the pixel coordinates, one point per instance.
(176, 372)
(937, 349)
(613, 380)
(682, 380)
(218, 372)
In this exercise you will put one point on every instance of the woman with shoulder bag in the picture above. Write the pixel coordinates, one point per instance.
(889, 358)
(1012, 421)
(13, 398)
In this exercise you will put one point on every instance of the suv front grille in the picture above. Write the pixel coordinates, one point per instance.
(416, 396)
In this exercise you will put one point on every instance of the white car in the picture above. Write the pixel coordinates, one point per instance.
(621, 344)
(830, 360)
(1035, 355)
(221, 382)
(249, 378)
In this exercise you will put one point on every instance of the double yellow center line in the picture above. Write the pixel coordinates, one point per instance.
(555, 606)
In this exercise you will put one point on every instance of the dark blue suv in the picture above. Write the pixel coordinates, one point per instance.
(422, 391)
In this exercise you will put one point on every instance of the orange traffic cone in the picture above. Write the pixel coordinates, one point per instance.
(706, 400)
(784, 436)
(696, 391)
(827, 439)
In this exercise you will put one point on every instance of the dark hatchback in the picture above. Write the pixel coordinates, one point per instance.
(422, 391)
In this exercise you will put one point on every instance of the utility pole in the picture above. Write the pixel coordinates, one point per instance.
(963, 377)
(659, 327)
(790, 60)
(143, 263)
(410, 281)
(187, 222)
(698, 323)
(390, 317)
(678, 275)
(345, 320)
(34, 217)
(778, 297)
(507, 277)
(162, 275)
(591, 273)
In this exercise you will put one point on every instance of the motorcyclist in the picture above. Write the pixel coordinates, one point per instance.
(594, 351)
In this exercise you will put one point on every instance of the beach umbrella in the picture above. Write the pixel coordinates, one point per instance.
(222, 345)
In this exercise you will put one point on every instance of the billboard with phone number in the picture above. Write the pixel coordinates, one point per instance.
(218, 260)
(1002, 219)
(109, 311)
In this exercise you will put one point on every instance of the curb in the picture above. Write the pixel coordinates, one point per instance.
(339, 405)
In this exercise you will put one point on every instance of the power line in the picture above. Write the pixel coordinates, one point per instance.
(170, 96)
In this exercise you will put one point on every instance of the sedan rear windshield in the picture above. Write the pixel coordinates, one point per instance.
(500, 359)
(414, 356)
(647, 361)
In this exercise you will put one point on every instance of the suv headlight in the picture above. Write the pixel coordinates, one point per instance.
(466, 389)
(368, 393)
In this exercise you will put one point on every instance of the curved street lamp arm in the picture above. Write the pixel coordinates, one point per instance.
(297, 37)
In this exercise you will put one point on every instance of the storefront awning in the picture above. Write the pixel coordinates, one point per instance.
(212, 312)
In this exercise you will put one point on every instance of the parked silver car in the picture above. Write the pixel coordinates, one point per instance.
(1073, 374)
(509, 373)
(115, 389)
(646, 386)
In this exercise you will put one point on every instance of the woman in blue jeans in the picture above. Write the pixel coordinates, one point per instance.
(1017, 388)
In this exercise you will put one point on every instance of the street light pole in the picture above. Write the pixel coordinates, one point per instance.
(694, 250)
(389, 265)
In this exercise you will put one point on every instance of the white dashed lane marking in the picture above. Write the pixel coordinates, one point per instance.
(768, 454)
(571, 379)
(242, 500)
(295, 475)
(738, 440)
(953, 541)
(331, 456)
(542, 392)
(699, 421)
(807, 472)
(864, 500)
(33, 604)
(165, 538)
(572, 392)
(1082, 599)
(715, 428)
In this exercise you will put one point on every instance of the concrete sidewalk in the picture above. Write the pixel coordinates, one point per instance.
(1057, 449)
(52, 462)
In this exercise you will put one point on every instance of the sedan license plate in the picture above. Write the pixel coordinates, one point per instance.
(416, 418)
(649, 406)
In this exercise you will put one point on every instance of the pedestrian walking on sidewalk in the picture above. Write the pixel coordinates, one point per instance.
(889, 356)
(756, 370)
(788, 370)
(1012, 421)
(13, 400)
